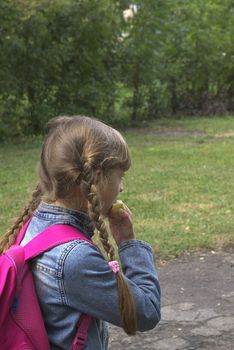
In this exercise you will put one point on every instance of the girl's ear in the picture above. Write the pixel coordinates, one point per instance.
(101, 179)
(98, 180)
(98, 173)
(98, 176)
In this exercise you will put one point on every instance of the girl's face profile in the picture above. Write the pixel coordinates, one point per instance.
(109, 189)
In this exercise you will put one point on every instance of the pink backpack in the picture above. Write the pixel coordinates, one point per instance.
(21, 323)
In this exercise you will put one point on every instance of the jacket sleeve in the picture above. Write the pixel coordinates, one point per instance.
(90, 285)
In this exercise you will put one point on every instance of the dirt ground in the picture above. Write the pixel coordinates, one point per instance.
(197, 306)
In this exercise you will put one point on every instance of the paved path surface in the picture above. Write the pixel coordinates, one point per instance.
(197, 306)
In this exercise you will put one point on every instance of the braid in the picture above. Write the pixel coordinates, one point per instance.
(10, 236)
(126, 302)
(99, 223)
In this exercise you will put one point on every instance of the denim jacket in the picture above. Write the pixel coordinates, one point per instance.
(74, 278)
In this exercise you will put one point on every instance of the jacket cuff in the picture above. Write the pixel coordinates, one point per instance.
(134, 243)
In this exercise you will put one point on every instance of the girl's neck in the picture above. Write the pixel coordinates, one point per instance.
(76, 201)
(75, 205)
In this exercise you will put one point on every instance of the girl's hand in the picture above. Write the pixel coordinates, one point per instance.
(121, 225)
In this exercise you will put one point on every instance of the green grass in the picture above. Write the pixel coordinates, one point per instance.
(180, 187)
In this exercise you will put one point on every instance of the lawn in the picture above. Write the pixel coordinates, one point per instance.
(180, 187)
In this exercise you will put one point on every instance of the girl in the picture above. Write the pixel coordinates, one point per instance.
(80, 176)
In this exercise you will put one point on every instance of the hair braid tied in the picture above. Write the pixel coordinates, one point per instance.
(10, 236)
(126, 301)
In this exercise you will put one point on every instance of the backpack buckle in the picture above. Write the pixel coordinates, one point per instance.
(81, 340)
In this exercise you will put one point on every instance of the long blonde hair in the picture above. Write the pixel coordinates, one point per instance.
(75, 148)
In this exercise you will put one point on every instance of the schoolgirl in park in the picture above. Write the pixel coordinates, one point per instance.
(79, 178)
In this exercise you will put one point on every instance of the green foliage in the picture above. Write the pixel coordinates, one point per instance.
(181, 57)
(57, 58)
(82, 57)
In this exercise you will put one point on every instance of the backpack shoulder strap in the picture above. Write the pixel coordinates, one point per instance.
(51, 237)
(21, 233)
(47, 239)
(81, 336)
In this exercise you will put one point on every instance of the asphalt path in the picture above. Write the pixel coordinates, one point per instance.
(197, 306)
